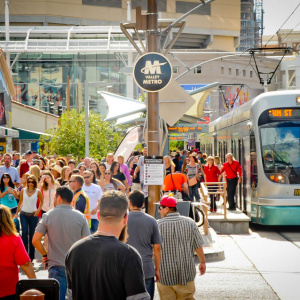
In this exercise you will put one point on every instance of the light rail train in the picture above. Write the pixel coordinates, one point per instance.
(264, 136)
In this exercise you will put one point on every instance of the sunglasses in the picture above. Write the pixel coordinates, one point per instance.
(30, 181)
(71, 180)
(161, 207)
(107, 173)
(86, 177)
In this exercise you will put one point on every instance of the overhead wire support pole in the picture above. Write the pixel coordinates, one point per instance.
(153, 108)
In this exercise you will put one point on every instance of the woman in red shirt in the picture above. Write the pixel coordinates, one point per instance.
(12, 254)
(211, 174)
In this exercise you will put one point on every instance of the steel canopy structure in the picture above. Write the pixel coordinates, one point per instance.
(87, 39)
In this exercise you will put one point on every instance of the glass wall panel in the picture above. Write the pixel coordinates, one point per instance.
(42, 78)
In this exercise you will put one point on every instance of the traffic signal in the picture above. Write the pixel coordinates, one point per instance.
(51, 107)
(59, 110)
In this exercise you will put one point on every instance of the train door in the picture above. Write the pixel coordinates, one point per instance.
(215, 145)
(225, 150)
(240, 158)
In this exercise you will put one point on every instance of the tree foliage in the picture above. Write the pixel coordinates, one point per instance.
(176, 145)
(68, 137)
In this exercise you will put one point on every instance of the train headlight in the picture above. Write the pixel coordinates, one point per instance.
(298, 100)
(278, 178)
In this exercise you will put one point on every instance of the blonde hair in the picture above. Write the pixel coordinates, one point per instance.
(7, 225)
(63, 170)
(211, 158)
(35, 171)
(171, 163)
(217, 160)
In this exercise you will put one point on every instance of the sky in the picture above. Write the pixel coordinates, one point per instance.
(277, 11)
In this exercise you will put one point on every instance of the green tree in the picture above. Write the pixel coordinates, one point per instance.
(176, 145)
(68, 137)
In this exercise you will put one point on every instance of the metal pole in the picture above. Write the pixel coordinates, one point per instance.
(86, 110)
(7, 31)
(153, 109)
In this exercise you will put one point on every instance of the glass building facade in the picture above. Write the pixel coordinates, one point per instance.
(43, 78)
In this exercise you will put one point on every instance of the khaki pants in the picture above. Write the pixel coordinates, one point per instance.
(136, 186)
(177, 292)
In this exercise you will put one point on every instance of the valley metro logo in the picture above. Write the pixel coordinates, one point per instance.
(152, 68)
(152, 72)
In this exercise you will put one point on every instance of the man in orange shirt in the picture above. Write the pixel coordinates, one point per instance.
(175, 183)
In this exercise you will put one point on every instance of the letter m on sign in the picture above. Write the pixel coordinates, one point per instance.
(152, 68)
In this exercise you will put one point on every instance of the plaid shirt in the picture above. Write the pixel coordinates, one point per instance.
(181, 237)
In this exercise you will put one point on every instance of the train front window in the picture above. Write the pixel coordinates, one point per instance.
(281, 151)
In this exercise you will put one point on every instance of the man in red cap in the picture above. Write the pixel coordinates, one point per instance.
(181, 238)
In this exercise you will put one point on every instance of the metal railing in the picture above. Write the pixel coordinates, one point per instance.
(215, 188)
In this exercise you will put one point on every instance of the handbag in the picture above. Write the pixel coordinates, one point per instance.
(186, 197)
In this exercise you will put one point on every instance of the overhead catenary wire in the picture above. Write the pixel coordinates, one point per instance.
(290, 32)
(283, 24)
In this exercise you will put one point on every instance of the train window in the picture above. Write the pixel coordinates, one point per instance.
(280, 144)
(253, 162)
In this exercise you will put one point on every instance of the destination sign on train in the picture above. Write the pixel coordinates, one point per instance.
(284, 113)
(185, 129)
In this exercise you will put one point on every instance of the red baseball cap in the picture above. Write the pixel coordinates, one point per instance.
(195, 150)
(168, 201)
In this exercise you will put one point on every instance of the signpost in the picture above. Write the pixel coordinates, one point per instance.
(152, 72)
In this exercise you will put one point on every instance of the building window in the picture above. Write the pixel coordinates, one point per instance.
(198, 70)
(222, 70)
(251, 74)
(183, 7)
(229, 71)
(107, 3)
(244, 73)
(237, 72)
(175, 69)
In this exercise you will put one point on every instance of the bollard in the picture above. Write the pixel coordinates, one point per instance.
(32, 295)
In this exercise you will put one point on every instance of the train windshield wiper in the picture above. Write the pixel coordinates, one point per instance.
(281, 160)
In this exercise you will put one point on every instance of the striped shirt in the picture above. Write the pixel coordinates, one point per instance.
(181, 237)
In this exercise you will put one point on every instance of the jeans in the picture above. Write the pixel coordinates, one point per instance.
(231, 187)
(28, 224)
(59, 273)
(194, 192)
(16, 221)
(94, 225)
(150, 287)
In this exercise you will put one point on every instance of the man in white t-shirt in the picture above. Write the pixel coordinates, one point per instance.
(94, 193)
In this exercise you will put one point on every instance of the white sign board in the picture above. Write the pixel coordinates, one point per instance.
(153, 171)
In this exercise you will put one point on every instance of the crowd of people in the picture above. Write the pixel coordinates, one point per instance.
(77, 215)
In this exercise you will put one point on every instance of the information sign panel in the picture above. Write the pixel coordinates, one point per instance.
(154, 170)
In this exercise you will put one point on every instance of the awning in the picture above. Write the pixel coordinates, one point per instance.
(30, 135)
(119, 106)
(200, 96)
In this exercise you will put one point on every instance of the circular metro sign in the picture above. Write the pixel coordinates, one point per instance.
(152, 72)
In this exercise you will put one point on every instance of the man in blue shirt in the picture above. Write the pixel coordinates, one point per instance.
(7, 168)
